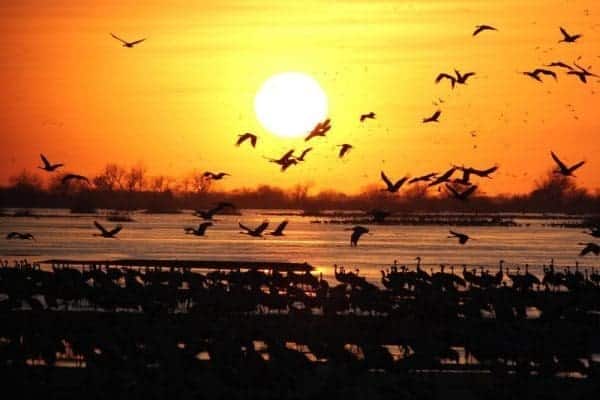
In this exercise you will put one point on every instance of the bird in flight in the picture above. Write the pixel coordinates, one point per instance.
(589, 248)
(444, 177)
(568, 38)
(560, 64)
(481, 28)
(535, 74)
(279, 230)
(562, 168)
(284, 161)
(70, 177)
(482, 173)
(433, 118)
(319, 130)
(19, 235)
(305, 152)
(208, 214)
(47, 165)
(198, 231)
(370, 115)
(444, 75)
(106, 233)
(126, 43)
(392, 187)
(357, 232)
(247, 136)
(582, 74)
(462, 238)
(464, 195)
(423, 178)
(256, 232)
(213, 176)
(344, 148)
(462, 79)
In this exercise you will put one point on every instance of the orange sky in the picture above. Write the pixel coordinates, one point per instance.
(178, 101)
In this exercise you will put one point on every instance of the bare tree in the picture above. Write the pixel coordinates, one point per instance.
(135, 179)
(111, 178)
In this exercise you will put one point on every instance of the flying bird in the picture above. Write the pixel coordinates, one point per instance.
(444, 177)
(284, 161)
(19, 235)
(433, 118)
(582, 74)
(344, 148)
(304, 153)
(464, 195)
(256, 232)
(535, 74)
(562, 168)
(47, 165)
(560, 64)
(213, 176)
(208, 214)
(462, 79)
(481, 28)
(392, 187)
(357, 232)
(70, 177)
(370, 115)
(482, 173)
(319, 130)
(126, 43)
(106, 233)
(568, 38)
(423, 178)
(198, 231)
(279, 230)
(589, 248)
(462, 238)
(444, 75)
(247, 136)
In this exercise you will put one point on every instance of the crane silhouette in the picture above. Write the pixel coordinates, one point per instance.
(433, 118)
(47, 165)
(247, 136)
(357, 232)
(344, 148)
(200, 231)
(73, 177)
(279, 230)
(462, 238)
(567, 38)
(215, 176)
(304, 153)
(481, 28)
(392, 187)
(581, 73)
(19, 235)
(562, 168)
(319, 130)
(444, 177)
(370, 115)
(462, 79)
(464, 195)
(560, 64)
(208, 214)
(256, 232)
(535, 74)
(589, 248)
(106, 233)
(126, 43)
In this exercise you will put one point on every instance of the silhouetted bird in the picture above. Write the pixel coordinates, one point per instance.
(105, 233)
(562, 168)
(560, 64)
(444, 177)
(423, 178)
(304, 153)
(208, 214)
(433, 118)
(357, 232)
(462, 238)
(279, 230)
(126, 43)
(392, 187)
(464, 195)
(589, 248)
(485, 173)
(319, 130)
(70, 177)
(213, 176)
(344, 148)
(19, 235)
(198, 231)
(462, 79)
(444, 75)
(47, 165)
(256, 232)
(535, 74)
(481, 28)
(246, 136)
(370, 115)
(568, 38)
(582, 74)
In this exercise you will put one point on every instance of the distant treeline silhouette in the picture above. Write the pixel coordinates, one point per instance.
(118, 188)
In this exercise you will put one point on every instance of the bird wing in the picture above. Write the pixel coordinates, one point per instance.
(305, 152)
(253, 139)
(244, 227)
(12, 235)
(562, 166)
(45, 161)
(386, 180)
(436, 114)
(444, 75)
(202, 227)
(574, 167)
(455, 233)
(469, 191)
(118, 38)
(241, 139)
(137, 41)
(287, 155)
(100, 227)
(281, 227)
(478, 29)
(545, 72)
(400, 182)
(564, 32)
(116, 230)
(467, 75)
(452, 190)
(261, 228)
(484, 172)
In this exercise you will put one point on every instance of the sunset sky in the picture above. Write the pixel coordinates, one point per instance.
(176, 102)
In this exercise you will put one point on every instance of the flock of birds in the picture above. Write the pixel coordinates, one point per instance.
(459, 188)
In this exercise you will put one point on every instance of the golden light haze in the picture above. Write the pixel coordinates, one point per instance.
(177, 101)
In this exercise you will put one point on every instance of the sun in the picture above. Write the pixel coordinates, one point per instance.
(290, 104)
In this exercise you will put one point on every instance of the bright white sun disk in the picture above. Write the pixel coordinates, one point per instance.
(290, 104)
